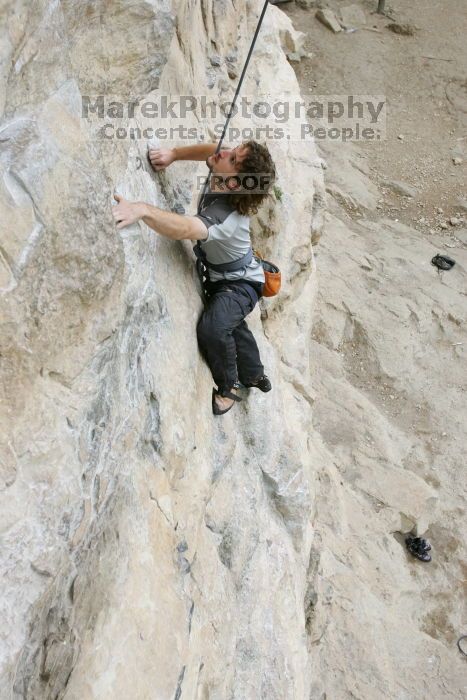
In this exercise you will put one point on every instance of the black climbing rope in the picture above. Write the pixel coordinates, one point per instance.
(237, 91)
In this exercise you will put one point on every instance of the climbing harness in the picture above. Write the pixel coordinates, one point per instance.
(232, 266)
(271, 272)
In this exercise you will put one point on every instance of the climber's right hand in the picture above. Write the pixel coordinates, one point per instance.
(161, 158)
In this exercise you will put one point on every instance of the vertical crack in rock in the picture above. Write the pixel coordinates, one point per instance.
(178, 692)
(190, 616)
(151, 435)
(311, 594)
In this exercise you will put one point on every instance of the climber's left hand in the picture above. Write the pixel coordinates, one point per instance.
(126, 213)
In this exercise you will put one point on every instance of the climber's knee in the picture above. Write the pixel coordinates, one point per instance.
(204, 330)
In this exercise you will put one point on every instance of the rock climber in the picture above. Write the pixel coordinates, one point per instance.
(222, 228)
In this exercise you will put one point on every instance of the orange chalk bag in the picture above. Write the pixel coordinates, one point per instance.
(272, 275)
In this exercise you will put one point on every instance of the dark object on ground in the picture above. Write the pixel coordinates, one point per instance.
(459, 646)
(443, 262)
(403, 29)
(418, 548)
(278, 2)
(228, 395)
(381, 4)
(263, 384)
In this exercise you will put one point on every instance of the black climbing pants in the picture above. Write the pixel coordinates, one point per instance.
(224, 339)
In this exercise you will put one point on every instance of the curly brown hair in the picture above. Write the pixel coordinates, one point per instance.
(257, 161)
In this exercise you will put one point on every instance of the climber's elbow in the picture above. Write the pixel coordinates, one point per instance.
(193, 229)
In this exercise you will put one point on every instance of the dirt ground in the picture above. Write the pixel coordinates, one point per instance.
(424, 78)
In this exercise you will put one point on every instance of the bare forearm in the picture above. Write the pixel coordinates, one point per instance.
(165, 223)
(199, 151)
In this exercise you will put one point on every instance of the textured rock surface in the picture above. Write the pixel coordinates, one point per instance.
(148, 551)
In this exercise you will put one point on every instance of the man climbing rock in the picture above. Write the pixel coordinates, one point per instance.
(235, 277)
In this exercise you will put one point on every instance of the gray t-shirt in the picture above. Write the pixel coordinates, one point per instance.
(228, 238)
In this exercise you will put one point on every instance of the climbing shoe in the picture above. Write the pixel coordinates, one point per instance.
(263, 384)
(226, 394)
(418, 547)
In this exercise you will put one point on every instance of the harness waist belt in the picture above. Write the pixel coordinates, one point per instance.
(232, 266)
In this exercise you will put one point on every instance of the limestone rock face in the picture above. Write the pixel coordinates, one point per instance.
(148, 550)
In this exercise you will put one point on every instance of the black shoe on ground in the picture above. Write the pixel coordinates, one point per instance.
(263, 384)
(421, 544)
(418, 548)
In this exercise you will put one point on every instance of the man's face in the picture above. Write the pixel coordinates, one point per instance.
(227, 161)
